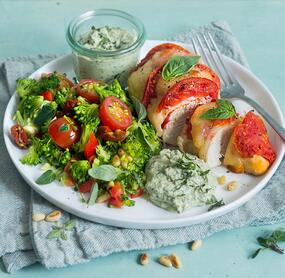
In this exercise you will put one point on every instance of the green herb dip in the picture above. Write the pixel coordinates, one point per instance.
(107, 38)
(177, 181)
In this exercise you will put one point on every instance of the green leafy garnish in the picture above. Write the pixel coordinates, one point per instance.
(94, 194)
(140, 109)
(225, 110)
(60, 231)
(46, 113)
(46, 178)
(271, 242)
(104, 172)
(217, 204)
(178, 65)
(63, 128)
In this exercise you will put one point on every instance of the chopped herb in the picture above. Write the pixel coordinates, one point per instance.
(217, 204)
(94, 194)
(60, 231)
(46, 178)
(63, 128)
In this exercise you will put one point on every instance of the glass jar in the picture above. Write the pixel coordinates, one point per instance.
(103, 64)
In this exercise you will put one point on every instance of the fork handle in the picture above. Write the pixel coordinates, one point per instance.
(274, 124)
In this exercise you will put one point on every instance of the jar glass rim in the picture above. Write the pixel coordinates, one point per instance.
(75, 22)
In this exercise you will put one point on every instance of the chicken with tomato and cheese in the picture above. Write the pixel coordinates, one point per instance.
(249, 149)
(171, 82)
(206, 134)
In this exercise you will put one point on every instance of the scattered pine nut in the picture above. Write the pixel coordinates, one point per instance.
(232, 185)
(221, 180)
(116, 161)
(38, 217)
(165, 260)
(175, 260)
(121, 152)
(196, 244)
(103, 198)
(53, 216)
(110, 184)
(124, 164)
(144, 259)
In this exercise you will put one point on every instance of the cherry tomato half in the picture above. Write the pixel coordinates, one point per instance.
(84, 89)
(47, 95)
(90, 147)
(64, 132)
(115, 114)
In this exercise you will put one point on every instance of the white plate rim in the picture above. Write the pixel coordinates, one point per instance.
(156, 224)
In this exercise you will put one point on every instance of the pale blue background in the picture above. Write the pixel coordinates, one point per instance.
(37, 27)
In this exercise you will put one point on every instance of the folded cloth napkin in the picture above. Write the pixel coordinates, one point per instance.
(24, 242)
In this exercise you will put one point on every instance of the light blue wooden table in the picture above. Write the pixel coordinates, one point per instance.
(37, 27)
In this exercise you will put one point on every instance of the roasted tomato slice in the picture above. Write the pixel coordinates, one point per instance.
(90, 147)
(85, 89)
(160, 47)
(186, 88)
(107, 134)
(115, 114)
(251, 138)
(64, 132)
(19, 136)
(86, 187)
(47, 95)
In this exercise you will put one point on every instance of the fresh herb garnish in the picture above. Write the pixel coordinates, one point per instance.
(225, 110)
(104, 172)
(47, 177)
(217, 204)
(271, 242)
(140, 109)
(178, 65)
(59, 231)
(63, 128)
(94, 194)
(46, 113)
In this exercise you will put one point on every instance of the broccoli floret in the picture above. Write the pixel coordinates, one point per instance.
(48, 82)
(86, 131)
(32, 157)
(79, 170)
(61, 96)
(113, 89)
(52, 153)
(86, 113)
(106, 153)
(30, 106)
(103, 154)
(27, 86)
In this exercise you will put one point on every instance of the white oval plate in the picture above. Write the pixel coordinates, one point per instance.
(145, 215)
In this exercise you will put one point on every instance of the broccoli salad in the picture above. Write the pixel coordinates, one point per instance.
(90, 136)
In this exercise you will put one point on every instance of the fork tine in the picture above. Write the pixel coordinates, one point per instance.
(203, 50)
(219, 55)
(214, 61)
(195, 47)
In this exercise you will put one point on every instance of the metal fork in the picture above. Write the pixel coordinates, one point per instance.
(230, 86)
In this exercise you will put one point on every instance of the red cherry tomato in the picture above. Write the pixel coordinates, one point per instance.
(47, 95)
(19, 136)
(86, 186)
(90, 147)
(115, 114)
(137, 194)
(118, 203)
(84, 89)
(64, 132)
(116, 191)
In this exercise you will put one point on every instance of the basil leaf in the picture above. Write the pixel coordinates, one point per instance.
(47, 177)
(104, 172)
(140, 109)
(94, 194)
(225, 110)
(63, 235)
(54, 234)
(46, 113)
(142, 136)
(178, 65)
(256, 252)
(279, 235)
(69, 225)
(63, 128)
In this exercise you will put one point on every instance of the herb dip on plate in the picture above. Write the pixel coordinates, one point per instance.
(177, 181)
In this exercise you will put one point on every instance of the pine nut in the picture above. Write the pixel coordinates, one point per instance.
(175, 260)
(165, 260)
(124, 164)
(116, 162)
(38, 217)
(144, 259)
(110, 184)
(53, 216)
(196, 244)
(103, 198)
(232, 186)
(130, 159)
(121, 152)
(221, 180)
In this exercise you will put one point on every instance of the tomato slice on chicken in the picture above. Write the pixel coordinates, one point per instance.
(186, 88)
(251, 138)
(158, 48)
(64, 132)
(86, 90)
(115, 114)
